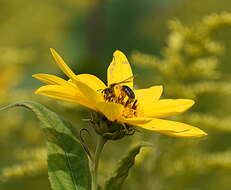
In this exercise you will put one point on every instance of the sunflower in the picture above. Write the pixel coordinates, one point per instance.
(117, 100)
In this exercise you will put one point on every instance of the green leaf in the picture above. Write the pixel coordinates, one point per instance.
(120, 174)
(68, 167)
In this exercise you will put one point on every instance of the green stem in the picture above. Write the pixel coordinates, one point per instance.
(94, 166)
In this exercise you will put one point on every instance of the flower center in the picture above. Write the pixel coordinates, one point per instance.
(122, 94)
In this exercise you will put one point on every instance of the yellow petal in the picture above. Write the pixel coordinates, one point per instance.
(167, 107)
(62, 65)
(171, 128)
(92, 81)
(136, 120)
(66, 93)
(111, 110)
(119, 70)
(89, 93)
(148, 95)
(50, 79)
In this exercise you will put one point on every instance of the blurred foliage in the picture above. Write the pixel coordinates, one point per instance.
(33, 162)
(189, 68)
(192, 64)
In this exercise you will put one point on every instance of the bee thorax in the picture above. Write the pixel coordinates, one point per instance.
(122, 94)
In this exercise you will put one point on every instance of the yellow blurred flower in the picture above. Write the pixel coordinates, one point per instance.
(7, 81)
(119, 102)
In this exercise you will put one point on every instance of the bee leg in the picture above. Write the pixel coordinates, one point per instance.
(127, 102)
(120, 99)
(110, 98)
(134, 106)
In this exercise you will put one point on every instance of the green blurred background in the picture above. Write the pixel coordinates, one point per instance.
(168, 42)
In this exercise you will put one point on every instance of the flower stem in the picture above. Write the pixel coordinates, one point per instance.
(94, 166)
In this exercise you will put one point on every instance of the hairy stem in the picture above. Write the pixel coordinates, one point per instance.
(94, 166)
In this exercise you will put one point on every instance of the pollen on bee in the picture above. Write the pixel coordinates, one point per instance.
(119, 96)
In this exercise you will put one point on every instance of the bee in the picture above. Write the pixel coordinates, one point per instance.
(120, 93)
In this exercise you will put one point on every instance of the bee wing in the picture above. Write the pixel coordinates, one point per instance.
(119, 71)
(128, 80)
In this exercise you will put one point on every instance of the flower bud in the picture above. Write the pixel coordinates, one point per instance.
(110, 130)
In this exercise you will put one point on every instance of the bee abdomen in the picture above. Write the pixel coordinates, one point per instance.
(128, 91)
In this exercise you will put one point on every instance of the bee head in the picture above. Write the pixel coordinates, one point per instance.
(117, 87)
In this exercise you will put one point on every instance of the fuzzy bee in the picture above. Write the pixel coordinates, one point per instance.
(120, 93)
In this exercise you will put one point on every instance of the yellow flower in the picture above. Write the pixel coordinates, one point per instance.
(143, 110)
